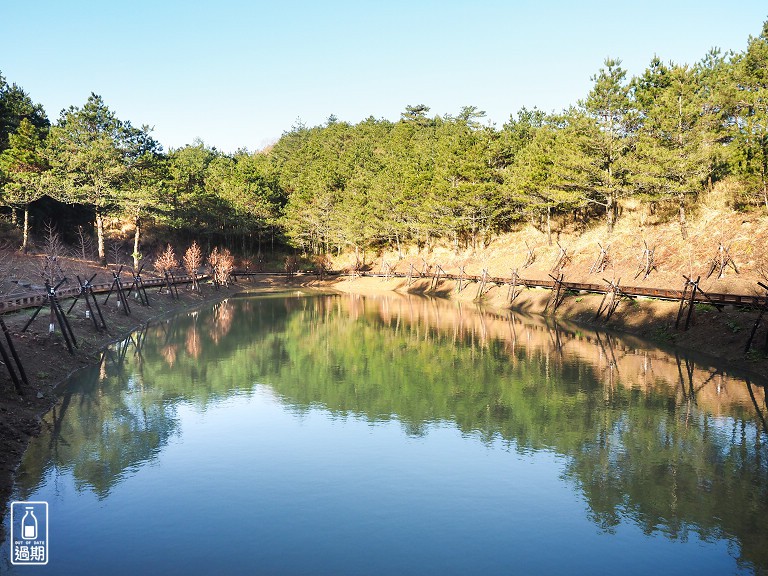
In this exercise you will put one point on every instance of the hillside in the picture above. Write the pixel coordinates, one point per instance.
(719, 334)
(743, 234)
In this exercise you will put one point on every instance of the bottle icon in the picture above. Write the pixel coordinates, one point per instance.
(29, 524)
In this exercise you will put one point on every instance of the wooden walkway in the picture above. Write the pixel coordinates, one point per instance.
(717, 299)
(38, 297)
(32, 299)
(635, 291)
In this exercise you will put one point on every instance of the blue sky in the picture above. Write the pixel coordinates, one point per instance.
(238, 73)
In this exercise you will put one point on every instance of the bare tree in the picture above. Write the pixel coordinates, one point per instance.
(193, 259)
(322, 265)
(84, 247)
(116, 254)
(53, 248)
(222, 264)
(52, 244)
(290, 265)
(166, 260)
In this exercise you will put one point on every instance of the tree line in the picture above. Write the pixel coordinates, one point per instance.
(660, 138)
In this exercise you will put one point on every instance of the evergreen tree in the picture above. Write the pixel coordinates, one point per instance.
(316, 179)
(358, 224)
(193, 206)
(749, 120)
(534, 184)
(87, 153)
(670, 159)
(605, 143)
(714, 74)
(16, 105)
(142, 196)
(465, 186)
(25, 168)
(401, 191)
(515, 135)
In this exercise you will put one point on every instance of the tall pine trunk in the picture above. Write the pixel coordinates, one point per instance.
(610, 212)
(25, 233)
(100, 238)
(683, 228)
(136, 254)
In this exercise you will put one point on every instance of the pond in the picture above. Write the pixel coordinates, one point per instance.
(295, 433)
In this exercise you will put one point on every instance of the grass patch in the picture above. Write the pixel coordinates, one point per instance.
(663, 334)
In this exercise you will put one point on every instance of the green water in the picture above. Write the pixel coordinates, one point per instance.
(326, 434)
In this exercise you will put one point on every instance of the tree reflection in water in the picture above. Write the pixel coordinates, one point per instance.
(660, 439)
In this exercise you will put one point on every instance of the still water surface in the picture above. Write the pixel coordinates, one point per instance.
(327, 434)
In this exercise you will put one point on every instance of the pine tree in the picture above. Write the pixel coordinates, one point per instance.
(749, 114)
(15, 106)
(87, 156)
(605, 143)
(535, 185)
(670, 159)
(25, 168)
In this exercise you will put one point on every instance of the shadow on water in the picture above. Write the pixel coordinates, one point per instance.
(672, 444)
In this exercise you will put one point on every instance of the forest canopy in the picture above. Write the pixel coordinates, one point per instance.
(662, 137)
